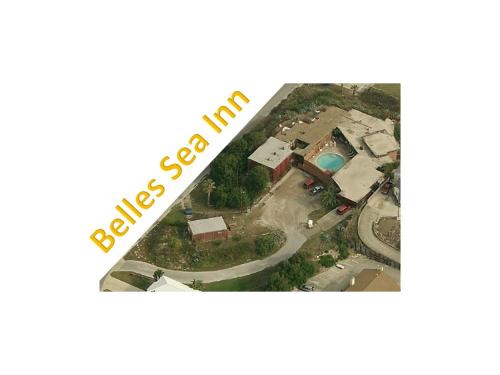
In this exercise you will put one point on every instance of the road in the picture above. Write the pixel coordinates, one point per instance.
(378, 205)
(294, 241)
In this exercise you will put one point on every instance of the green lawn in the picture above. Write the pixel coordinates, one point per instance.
(251, 283)
(393, 89)
(134, 279)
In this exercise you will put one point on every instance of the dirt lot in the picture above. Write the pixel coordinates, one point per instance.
(289, 205)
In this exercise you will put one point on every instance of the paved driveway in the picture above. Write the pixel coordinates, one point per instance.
(379, 205)
(336, 279)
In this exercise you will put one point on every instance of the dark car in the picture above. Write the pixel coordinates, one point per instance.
(317, 189)
(386, 188)
(188, 211)
(306, 288)
(342, 209)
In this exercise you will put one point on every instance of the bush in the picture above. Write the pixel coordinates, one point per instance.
(326, 261)
(292, 273)
(343, 251)
(266, 243)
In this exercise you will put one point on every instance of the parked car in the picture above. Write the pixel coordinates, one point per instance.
(317, 189)
(308, 183)
(188, 211)
(386, 188)
(342, 209)
(340, 266)
(307, 288)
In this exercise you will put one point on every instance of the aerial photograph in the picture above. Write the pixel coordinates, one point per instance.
(305, 198)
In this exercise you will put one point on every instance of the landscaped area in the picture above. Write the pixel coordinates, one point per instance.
(169, 244)
(134, 279)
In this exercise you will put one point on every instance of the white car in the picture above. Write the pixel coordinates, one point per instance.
(340, 266)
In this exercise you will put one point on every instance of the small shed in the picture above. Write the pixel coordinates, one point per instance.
(210, 229)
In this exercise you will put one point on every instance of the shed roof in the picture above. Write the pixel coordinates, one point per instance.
(213, 224)
(271, 153)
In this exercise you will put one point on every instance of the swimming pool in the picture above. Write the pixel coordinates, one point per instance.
(330, 161)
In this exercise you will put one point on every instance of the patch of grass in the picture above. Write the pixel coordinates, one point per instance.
(393, 89)
(175, 217)
(134, 279)
(251, 283)
(318, 214)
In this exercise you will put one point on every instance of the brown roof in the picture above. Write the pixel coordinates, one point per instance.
(370, 280)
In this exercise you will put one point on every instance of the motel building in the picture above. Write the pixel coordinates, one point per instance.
(342, 149)
(210, 229)
(275, 155)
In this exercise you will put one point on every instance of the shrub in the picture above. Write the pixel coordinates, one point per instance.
(326, 261)
(264, 244)
(292, 273)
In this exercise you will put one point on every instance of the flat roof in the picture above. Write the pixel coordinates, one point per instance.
(362, 125)
(370, 280)
(213, 224)
(357, 177)
(271, 153)
(381, 143)
(315, 131)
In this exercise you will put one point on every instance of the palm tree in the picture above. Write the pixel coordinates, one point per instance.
(329, 198)
(197, 284)
(208, 187)
(157, 274)
(354, 89)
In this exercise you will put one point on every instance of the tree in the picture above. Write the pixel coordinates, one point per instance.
(158, 274)
(208, 187)
(278, 282)
(238, 198)
(197, 284)
(256, 181)
(354, 89)
(329, 199)
(326, 261)
(264, 244)
(343, 250)
(220, 196)
(254, 139)
(224, 169)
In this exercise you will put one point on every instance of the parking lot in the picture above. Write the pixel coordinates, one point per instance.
(289, 204)
(335, 279)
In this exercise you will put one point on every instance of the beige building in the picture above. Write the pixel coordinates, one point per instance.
(373, 280)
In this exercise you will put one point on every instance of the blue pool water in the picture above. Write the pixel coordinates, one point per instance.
(330, 161)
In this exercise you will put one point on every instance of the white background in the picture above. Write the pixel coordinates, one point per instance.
(93, 94)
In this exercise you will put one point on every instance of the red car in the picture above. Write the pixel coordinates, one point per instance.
(343, 209)
(386, 188)
(309, 183)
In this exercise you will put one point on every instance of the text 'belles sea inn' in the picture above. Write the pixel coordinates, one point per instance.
(131, 210)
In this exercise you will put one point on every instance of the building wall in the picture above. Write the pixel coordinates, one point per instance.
(281, 169)
(211, 236)
(314, 149)
(317, 172)
(278, 172)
